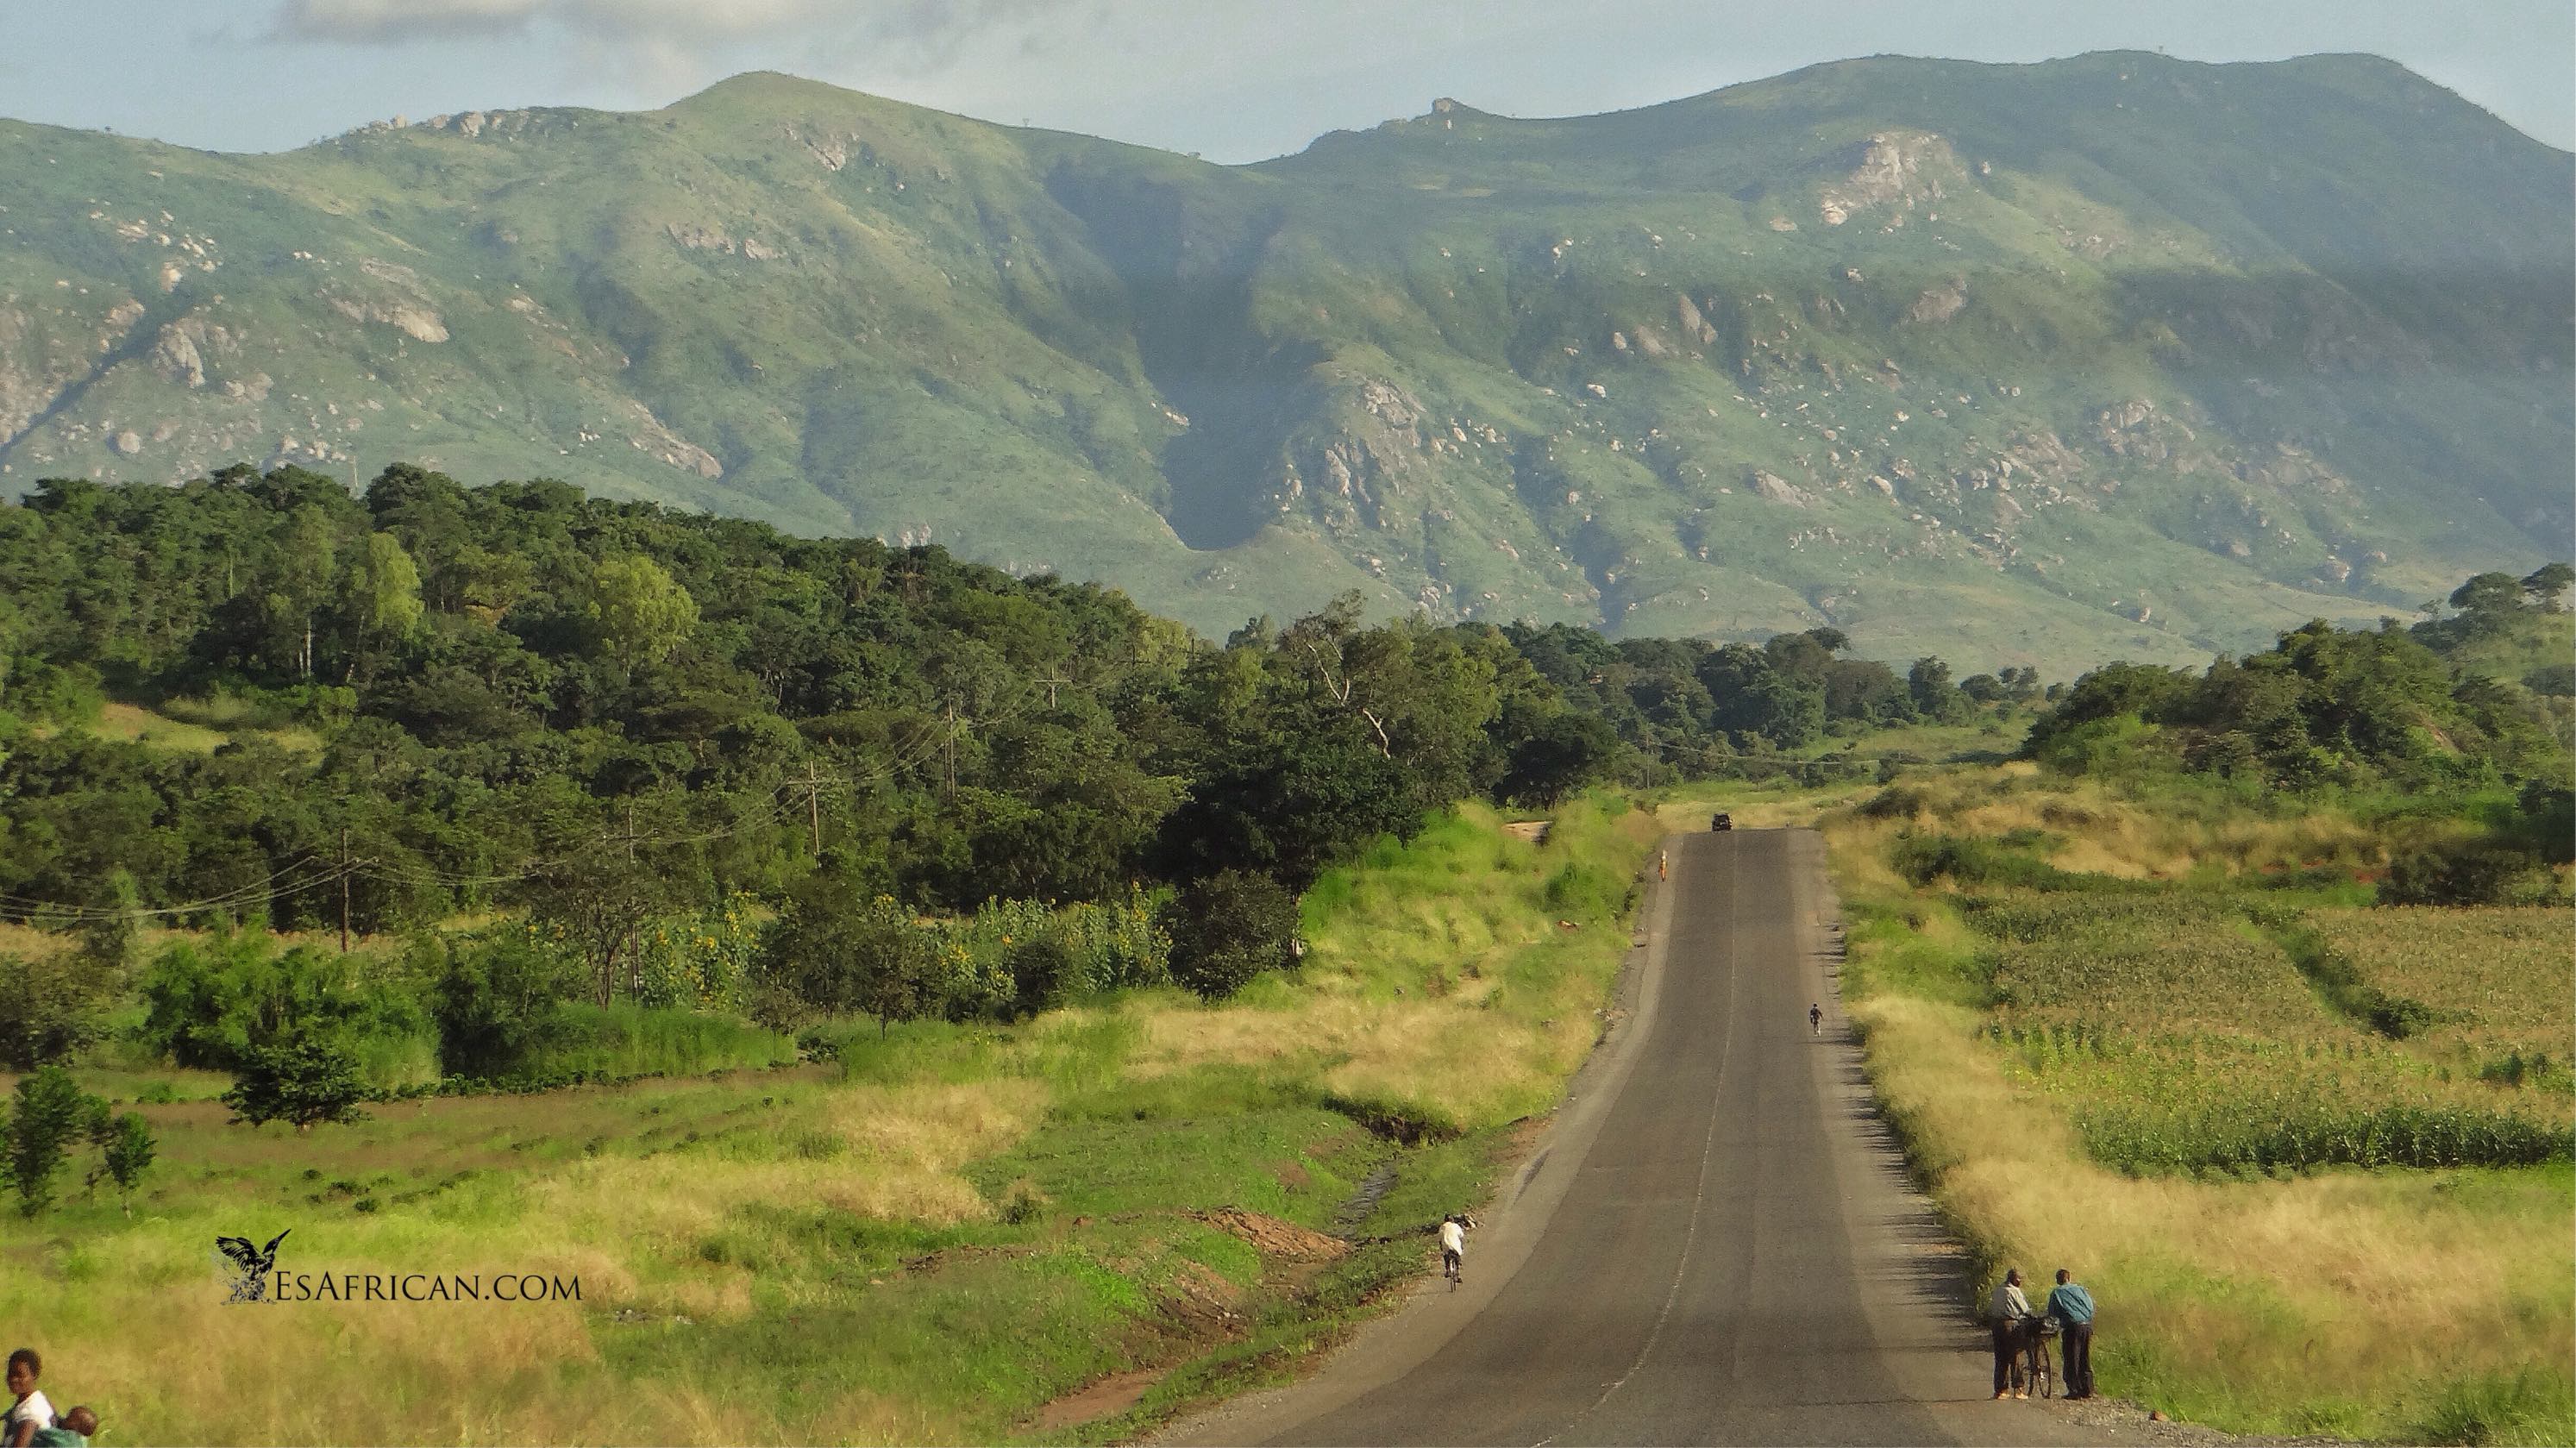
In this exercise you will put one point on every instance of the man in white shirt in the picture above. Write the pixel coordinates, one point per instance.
(1453, 1248)
(2006, 1309)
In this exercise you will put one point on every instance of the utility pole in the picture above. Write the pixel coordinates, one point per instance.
(344, 889)
(951, 750)
(812, 784)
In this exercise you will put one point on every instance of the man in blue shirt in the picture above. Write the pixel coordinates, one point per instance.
(2072, 1306)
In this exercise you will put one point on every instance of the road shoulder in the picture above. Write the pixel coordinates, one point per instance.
(1397, 1341)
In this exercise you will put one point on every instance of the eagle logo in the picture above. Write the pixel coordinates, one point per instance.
(247, 1266)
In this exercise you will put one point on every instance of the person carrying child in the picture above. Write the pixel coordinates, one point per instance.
(74, 1431)
(31, 1413)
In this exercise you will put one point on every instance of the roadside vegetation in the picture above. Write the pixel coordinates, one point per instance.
(925, 1233)
(2246, 996)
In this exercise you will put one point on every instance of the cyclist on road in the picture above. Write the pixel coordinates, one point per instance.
(1453, 1247)
(1816, 1020)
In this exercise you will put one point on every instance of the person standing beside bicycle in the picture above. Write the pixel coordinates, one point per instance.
(2008, 1309)
(2072, 1306)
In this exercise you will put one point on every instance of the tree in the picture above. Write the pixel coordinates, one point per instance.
(46, 1117)
(309, 1076)
(382, 596)
(599, 905)
(2488, 594)
(497, 1002)
(126, 1149)
(641, 611)
(1229, 928)
(307, 560)
(2548, 583)
(1935, 697)
(50, 1006)
(839, 952)
(1289, 805)
(1555, 756)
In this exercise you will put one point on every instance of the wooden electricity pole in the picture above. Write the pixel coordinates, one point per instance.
(344, 889)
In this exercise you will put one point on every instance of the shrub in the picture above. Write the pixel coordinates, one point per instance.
(308, 1075)
(1227, 929)
(838, 953)
(50, 1007)
(1585, 892)
(46, 1117)
(126, 1149)
(1043, 971)
(208, 1003)
(496, 1002)
(2455, 874)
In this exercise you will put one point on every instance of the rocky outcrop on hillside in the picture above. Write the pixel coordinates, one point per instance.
(1852, 346)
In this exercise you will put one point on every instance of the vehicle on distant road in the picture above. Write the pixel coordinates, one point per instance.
(1724, 821)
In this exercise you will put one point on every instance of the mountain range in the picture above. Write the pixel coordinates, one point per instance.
(2110, 356)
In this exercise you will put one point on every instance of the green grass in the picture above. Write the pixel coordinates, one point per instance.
(927, 1240)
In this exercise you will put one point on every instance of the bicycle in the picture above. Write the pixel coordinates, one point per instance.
(2036, 1371)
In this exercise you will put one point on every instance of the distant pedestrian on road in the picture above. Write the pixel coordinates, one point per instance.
(2009, 1311)
(2072, 1306)
(1663, 864)
(1453, 1247)
(1816, 1019)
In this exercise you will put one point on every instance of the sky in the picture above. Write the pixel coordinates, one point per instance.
(1233, 80)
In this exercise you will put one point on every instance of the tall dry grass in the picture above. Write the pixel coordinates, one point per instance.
(2398, 1304)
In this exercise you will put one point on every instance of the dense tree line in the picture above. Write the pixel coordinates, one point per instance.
(514, 694)
(611, 725)
(2391, 709)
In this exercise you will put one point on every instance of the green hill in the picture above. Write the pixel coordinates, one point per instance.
(2025, 364)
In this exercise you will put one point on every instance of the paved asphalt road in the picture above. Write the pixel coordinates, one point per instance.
(1716, 1244)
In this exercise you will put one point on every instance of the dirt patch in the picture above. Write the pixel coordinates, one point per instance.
(1200, 1304)
(1272, 1237)
(1292, 1176)
(1107, 1398)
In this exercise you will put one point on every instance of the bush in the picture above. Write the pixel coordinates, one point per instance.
(2475, 873)
(1578, 891)
(306, 1076)
(49, 1008)
(207, 1004)
(838, 952)
(1043, 971)
(496, 1002)
(1227, 929)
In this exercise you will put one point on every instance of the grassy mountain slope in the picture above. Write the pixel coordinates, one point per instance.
(2025, 364)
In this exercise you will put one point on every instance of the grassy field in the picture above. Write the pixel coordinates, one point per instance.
(193, 726)
(932, 1239)
(2161, 1043)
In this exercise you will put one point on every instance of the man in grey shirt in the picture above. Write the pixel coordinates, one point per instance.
(2007, 1309)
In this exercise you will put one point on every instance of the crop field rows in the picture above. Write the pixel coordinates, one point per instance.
(2185, 1037)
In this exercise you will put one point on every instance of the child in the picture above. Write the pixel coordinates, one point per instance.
(31, 1412)
(77, 1428)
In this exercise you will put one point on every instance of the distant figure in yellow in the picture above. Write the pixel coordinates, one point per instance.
(1663, 864)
